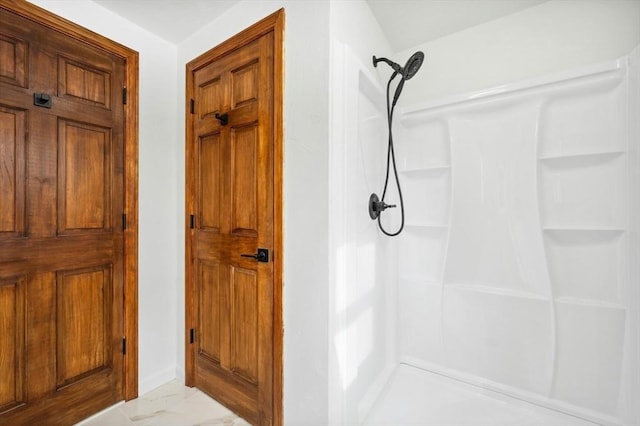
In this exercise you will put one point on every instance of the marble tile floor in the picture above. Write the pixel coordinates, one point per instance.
(172, 404)
(413, 397)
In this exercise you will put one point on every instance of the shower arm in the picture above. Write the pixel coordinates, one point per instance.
(396, 67)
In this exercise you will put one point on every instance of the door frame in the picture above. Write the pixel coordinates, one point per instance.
(68, 28)
(272, 23)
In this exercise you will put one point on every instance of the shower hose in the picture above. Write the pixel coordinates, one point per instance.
(391, 161)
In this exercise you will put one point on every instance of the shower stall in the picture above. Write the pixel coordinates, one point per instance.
(512, 296)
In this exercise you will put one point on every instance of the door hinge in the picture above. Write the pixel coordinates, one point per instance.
(124, 346)
(124, 95)
(192, 106)
(192, 335)
(192, 221)
(124, 221)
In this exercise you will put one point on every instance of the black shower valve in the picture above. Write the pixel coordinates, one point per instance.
(376, 206)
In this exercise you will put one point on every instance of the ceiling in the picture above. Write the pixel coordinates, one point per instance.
(406, 23)
(172, 20)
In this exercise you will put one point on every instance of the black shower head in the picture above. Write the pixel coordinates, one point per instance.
(409, 70)
(413, 65)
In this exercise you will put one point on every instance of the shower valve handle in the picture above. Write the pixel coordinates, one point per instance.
(383, 206)
(376, 206)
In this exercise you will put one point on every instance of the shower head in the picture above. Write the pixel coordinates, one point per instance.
(409, 70)
(413, 65)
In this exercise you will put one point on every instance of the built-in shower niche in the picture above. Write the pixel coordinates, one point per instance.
(424, 163)
(584, 212)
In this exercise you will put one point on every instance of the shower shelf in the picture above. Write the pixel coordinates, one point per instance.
(426, 226)
(487, 288)
(426, 169)
(590, 302)
(586, 231)
(415, 279)
(578, 157)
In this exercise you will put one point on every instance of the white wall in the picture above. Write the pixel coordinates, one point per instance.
(354, 24)
(556, 35)
(305, 192)
(362, 284)
(158, 244)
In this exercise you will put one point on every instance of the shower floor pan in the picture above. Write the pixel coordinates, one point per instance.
(415, 397)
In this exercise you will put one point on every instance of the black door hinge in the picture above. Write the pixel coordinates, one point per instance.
(124, 221)
(192, 335)
(124, 95)
(192, 221)
(193, 106)
(124, 346)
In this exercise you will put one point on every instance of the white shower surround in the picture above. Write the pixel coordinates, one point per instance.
(516, 270)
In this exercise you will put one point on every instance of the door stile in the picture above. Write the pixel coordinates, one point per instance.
(191, 334)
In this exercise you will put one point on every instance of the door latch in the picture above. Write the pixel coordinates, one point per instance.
(261, 256)
(42, 100)
(223, 118)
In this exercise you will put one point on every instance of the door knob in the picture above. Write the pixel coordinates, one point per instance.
(261, 256)
(42, 100)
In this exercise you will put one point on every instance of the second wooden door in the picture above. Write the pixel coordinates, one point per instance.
(230, 244)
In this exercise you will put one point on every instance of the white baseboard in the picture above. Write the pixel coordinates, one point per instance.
(180, 374)
(147, 384)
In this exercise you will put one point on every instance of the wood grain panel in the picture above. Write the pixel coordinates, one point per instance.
(13, 61)
(83, 323)
(244, 85)
(83, 82)
(12, 332)
(12, 171)
(209, 304)
(210, 97)
(244, 217)
(84, 179)
(41, 317)
(209, 178)
(244, 323)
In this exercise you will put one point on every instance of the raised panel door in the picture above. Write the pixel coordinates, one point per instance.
(61, 243)
(230, 190)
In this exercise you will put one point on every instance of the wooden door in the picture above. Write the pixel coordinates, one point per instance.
(234, 345)
(61, 225)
